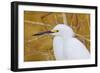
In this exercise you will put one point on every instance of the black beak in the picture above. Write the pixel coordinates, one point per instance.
(41, 33)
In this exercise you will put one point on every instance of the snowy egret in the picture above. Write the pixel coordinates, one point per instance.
(65, 45)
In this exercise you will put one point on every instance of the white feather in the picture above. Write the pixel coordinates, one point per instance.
(58, 48)
(66, 46)
(74, 49)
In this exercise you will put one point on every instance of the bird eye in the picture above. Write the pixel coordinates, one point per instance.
(57, 30)
(54, 31)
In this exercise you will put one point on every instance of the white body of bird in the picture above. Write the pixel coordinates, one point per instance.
(66, 46)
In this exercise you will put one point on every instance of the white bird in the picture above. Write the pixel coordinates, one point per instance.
(65, 45)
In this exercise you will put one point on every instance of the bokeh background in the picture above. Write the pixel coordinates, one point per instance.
(39, 48)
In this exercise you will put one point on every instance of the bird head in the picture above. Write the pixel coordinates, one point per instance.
(59, 30)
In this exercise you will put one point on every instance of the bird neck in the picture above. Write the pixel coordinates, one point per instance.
(66, 37)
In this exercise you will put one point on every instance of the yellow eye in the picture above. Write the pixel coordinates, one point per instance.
(55, 31)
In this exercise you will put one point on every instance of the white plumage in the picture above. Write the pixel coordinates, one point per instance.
(66, 46)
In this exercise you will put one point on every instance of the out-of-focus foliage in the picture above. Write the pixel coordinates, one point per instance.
(39, 48)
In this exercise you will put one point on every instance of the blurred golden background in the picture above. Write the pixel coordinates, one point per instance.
(39, 48)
